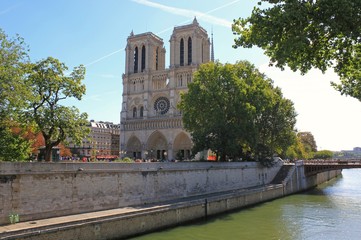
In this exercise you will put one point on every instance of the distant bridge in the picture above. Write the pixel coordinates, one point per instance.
(316, 166)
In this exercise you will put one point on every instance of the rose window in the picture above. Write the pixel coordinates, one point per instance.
(161, 105)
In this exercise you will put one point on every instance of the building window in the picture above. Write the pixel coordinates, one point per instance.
(134, 112)
(189, 51)
(181, 52)
(143, 58)
(189, 78)
(180, 80)
(136, 60)
(156, 58)
(141, 111)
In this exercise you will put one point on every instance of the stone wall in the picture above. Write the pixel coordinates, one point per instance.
(297, 181)
(43, 190)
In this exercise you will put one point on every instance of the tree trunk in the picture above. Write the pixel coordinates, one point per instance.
(47, 153)
(223, 157)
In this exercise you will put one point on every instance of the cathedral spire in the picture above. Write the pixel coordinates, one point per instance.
(212, 49)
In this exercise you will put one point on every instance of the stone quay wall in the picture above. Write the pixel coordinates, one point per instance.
(45, 190)
(297, 181)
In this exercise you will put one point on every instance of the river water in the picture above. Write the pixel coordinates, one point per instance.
(330, 211)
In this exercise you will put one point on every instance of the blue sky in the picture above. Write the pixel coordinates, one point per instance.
(94, 33)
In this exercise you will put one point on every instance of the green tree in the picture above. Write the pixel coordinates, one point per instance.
(50, 86)
(303, 148)
(308, 141)
(308, 34)
(13, 147)
(212, 109)
(323, 154)
(235, 111)
(13, 92)
(295, 151)
(13, 65)
(274, 120)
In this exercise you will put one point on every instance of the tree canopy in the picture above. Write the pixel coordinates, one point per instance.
(308, 141)
(323, 154)
(305, 34)
(13, 147)
(50, 85)
(235, 111)
(31, 95)
(13, 92)
(13, 66)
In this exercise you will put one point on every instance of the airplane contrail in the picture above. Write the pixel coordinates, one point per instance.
(184, 12)
(106, 56)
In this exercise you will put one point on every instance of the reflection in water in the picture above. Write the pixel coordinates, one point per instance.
(331, 211)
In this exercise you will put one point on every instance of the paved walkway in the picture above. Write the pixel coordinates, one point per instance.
(21, 227)
(13, 230)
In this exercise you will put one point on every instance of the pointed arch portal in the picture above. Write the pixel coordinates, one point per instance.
(182, 146)
(157, 146)
(134, 147)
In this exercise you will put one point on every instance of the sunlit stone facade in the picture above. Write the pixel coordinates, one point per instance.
(151, 124)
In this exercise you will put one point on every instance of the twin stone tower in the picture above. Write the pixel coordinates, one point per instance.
(151, 123)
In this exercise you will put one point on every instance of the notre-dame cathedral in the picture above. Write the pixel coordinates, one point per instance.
(151, 124)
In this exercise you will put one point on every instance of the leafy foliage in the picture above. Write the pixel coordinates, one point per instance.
(13, 147)
(235, 111)
(308, 141)
(13, 92)
(323, 154)
(13, 66)
(50, 85)
(308, 34)
(31, 93)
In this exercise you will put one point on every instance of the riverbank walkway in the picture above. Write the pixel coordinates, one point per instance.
(36, 227)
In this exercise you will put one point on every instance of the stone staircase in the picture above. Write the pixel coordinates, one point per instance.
(282, 174)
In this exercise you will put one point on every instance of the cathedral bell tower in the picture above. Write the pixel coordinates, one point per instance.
(151, 124)
(189, 45)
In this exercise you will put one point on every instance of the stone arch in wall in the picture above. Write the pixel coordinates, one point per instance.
(157, 146)
(135, 59)
(143, 59)
(182, 146)
(134, 147)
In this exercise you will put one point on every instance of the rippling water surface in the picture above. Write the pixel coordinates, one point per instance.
(331, 211)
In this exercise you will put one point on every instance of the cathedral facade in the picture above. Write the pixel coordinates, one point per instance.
(151, 123)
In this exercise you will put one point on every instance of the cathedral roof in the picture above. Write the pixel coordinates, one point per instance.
(142, 35)
(194, 24)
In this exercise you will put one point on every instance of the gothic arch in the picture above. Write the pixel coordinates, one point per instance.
(135, 59)
(182, 146)
(134, 112)
(156, 58)
(189, 51)
(181, 52)
(157, 145)
(141, 111)
(143, 59)
(134, 147)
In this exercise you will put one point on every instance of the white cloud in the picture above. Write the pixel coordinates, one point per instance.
(333, 119)
(190, 13)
